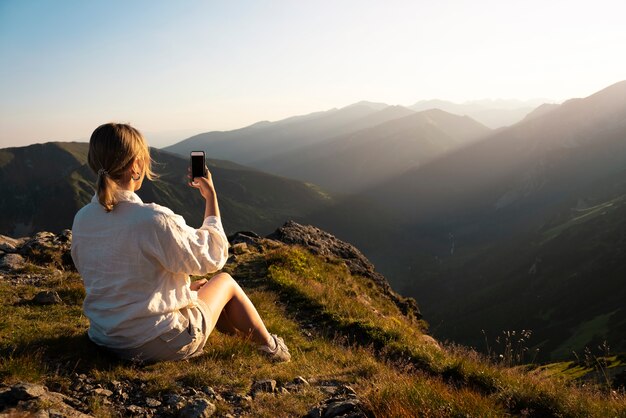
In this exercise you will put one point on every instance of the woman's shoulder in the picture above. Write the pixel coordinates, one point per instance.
(159, 215)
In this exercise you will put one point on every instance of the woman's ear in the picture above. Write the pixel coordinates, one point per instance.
(137, 167)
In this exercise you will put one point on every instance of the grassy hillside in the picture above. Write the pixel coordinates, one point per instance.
(340, 329)
(43, 185)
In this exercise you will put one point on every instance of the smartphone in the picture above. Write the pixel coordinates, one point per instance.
(198, 164)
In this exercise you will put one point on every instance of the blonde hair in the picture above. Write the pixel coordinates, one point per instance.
(112, 149)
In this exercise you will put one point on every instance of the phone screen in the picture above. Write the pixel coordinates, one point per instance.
(197, 164)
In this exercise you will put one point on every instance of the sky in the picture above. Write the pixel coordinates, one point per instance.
(176, 68)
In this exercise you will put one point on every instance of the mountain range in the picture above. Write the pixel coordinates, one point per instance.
(42, 186)
(345, 150)
(492, 113)
(351, 162)
(520, 229)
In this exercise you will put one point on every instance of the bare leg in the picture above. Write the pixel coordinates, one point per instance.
(225, 325)
(222, 292)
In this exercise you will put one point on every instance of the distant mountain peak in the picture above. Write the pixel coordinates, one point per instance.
(372, 105)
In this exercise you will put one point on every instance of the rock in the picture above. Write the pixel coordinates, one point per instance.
(211, 393)
(28, 398)
(427, 339)
(346, 390)
(135, 410)
(12, 261)
(243, 398)
(198, 408)
(324, 244)
(47, 297)
(343, 403)
(8, 244)
(48, 248)
(102, 392)
(329, 389)
(152, 403)
(266, 385)
(315, 412)
(247, 237)
(339, 408)
(240, 248)
(297, 384)
(24, 391)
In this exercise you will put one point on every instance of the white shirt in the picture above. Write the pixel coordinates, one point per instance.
(135, 263)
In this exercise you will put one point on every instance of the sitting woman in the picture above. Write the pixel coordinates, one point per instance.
(135, 259)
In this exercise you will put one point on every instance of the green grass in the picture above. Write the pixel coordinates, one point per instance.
(582, 216)
(584, 333)
(339, 328)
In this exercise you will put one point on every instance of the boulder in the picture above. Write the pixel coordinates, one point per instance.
(48, 248)
(10, 245)
(11, 261)
(24, 391)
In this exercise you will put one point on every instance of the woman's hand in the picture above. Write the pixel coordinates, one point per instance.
(198, 284)
(205, 184)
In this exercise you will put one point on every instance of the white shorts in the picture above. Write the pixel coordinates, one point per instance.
(177, 343)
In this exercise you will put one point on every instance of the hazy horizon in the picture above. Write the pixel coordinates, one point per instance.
(174, 70)
(161, 139)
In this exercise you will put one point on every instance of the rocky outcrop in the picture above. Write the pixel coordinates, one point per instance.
(45, 248)
(324, 244)
(36, 400)
(344, 402)
(49, 248)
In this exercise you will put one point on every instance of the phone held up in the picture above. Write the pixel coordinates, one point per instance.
(198, 164)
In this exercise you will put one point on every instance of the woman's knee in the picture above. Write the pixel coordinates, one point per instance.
(222, 276)
(222, 286)
(224, 279)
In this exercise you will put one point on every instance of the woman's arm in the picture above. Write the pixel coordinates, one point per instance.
(207, 190)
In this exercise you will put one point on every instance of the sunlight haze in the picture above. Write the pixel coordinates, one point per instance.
(178, 68)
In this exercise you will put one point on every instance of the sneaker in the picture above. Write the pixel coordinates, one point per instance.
(280, 352)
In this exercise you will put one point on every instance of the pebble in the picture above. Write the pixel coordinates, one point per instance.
(134, 409)
(152, 403)
(265, 385)
(102, 392)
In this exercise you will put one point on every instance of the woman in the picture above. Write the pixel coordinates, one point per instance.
(135, 260)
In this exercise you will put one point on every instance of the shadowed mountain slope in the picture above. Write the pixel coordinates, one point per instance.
(520, 230)
(42, 186)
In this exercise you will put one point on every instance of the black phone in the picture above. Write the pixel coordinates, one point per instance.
(198, 164)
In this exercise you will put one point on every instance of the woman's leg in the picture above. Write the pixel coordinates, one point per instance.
(225, 325)
(222, 292)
